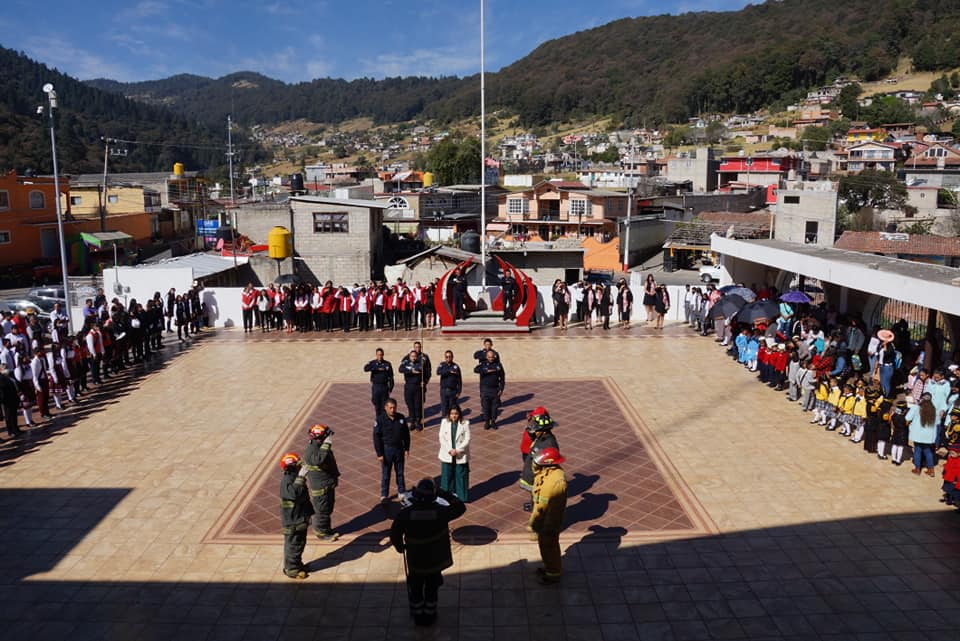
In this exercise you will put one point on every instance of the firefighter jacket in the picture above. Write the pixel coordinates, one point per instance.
(549, 500)
(547, 439)
(295, 506)
(422, 531)
(321, 464)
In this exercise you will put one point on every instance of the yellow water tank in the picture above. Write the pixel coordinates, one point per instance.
(427, 179)
(178, 169)
(279, 243)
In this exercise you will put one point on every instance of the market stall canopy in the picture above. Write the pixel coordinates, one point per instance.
(103, 239)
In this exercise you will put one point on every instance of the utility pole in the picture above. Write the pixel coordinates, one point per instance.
(53, 104)
(483, 156)
(103, 205)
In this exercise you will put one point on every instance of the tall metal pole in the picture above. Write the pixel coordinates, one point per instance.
(483, 155)
(52, 99)
(233, 201)
(626, 235)
(103, 207)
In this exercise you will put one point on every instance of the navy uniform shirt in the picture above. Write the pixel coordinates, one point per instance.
(391, 433)
(381, 373)
(450, 376)
(492, 376)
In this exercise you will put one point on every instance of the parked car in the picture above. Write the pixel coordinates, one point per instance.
(709, 273)
(40, 307)
(47, 292)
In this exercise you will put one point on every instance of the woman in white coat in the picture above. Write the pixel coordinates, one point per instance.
(454, 450)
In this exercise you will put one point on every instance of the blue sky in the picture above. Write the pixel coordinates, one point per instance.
(296, 40)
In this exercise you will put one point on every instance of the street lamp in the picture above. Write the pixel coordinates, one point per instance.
(52, 100)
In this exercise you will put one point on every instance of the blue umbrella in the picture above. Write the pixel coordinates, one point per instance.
(796, 296)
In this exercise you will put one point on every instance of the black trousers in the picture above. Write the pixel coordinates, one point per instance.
(490, 404)
(423, 591)
(10, 414)
(413, 395)
(323, 499)
(379, 395)
(294, 543)
(448, 398)
(507, 307)
(247, 320)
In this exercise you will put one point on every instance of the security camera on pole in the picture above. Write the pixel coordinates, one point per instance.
(52, 100)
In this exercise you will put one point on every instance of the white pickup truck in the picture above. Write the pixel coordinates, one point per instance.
(709, 273)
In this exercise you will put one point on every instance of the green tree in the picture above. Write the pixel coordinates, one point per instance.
(677, 136)
(872, 189)
(848, 101)
(611, 154)
(715, 132)
(955, 130)
(454, 162)
(815, 138)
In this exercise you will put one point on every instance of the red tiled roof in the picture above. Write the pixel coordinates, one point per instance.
(871, 242)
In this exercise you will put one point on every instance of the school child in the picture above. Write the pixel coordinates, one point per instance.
(740, 345)
(884, 414)
(807, 382)
(779, 362)
(899, 432)
(762, 352)
(833, 399)
(951, 433)
(859, 414)
(845, 410)
(874, 399)
(951, 477)
(753, 349)
(820, 396)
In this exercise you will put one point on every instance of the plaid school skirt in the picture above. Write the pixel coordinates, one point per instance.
(830, 410)
(853, 421)
(822, 406)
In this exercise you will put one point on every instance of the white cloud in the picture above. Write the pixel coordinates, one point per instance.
(444, 61)
(143, 9)
(318, 69)
(57, 51)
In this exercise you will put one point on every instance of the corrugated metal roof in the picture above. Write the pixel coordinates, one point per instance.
(203, 265)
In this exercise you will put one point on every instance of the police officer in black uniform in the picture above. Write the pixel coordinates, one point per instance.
(508, 285)
(451, 383)
(322, 477)
(391, 442)
(381, 380)
(412, 368)
(295, 513)
(421, 532)
(459, 283)
(481, 354)
(427, 370)
(492, 381)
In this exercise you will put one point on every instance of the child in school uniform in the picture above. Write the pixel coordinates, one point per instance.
(844, 418)
(885, 409)
(859, 414)
(820, 398)
(753, 348)
(951, 477)
(807, 382)
(833, 399)
(899, 432)
(740, 346)
(870, 424)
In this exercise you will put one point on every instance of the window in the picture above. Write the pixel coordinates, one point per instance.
(4, 200)
(324, 223)
(76, 200)
(37, 201)
(113, 198)
(791, 200)
(518, 206)
(811, 232)
(4, 238)
(580, 207)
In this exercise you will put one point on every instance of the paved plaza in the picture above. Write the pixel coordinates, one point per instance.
(702, 504)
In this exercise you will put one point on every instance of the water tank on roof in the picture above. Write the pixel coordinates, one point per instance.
(427, 179)
(296, 183)
(470, 242)
(279, 243)
(178, 169)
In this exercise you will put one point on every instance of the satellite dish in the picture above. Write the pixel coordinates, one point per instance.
(47, 88)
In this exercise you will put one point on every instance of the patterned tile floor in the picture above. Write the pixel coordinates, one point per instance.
(116, 515)
(591, 429)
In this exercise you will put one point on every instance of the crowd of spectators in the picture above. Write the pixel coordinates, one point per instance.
(879, 387)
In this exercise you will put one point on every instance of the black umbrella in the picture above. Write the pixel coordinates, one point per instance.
(762, 310)
(727, 306)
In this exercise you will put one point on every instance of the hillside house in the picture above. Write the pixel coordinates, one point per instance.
(867, 155)
(558, 208)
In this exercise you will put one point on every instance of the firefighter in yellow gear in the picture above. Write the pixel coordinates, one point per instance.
(549, 504)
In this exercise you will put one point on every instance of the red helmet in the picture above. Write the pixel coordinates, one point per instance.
(319, 432)
(549, 456)
(538, 411)
(289, 461)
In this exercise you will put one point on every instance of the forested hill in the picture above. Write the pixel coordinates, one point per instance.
(653, 69)
(86, 114)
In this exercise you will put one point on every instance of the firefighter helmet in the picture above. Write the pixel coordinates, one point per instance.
(289, 461)
(549, 456)
(319, 432)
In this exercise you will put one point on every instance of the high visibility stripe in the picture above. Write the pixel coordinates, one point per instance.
(284, 504)
(313, 468)
(319, 492)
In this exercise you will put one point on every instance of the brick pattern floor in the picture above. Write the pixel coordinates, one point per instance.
(633, 493)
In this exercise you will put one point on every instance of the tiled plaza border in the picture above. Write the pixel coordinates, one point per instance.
(221, 532)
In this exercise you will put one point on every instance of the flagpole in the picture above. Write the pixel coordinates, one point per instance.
(483, 156)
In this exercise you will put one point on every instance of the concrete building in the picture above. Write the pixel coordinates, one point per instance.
(699, 167)
(806, 213)
(333, 239)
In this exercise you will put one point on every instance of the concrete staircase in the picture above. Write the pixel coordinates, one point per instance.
(485, 321)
